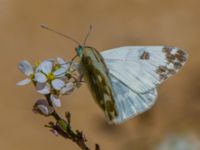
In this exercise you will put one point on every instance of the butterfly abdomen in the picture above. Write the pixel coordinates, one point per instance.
(96, 76)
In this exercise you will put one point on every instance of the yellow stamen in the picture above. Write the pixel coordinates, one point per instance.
(51, 76)
(37, 63)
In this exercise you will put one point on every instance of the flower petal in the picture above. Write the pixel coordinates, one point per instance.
(63, 63)
(57, 84)
(67, 89)
(40, 77)
(60, 60)
(24, 82)
(45, 67)
(26, 67)
(43, 109)
(43, 88)
(60, 72)
(55, 100)
(41, 102)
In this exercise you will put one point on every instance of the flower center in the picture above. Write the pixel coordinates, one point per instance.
(51, 76)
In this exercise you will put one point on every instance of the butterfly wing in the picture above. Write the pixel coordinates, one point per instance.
(142, 68)
(135, 71)
(129, 103)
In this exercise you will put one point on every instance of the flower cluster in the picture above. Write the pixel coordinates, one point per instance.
(54, 78)
(51, 78)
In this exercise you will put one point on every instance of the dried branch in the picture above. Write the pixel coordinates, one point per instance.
(63, 127)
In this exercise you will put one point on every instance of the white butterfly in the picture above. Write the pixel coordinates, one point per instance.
(123, 80)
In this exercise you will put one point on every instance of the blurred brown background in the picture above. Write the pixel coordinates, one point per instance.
(116, 23)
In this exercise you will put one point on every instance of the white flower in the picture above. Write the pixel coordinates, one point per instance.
(51, 78)
(45, 72)
(26, 68)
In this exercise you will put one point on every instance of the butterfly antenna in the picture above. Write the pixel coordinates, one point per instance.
(88, 34)
(66, 36)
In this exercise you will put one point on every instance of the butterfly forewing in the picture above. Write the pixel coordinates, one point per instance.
(142, 68)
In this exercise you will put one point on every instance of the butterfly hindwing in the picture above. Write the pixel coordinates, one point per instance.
(128, 103)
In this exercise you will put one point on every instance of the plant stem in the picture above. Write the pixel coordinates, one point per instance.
(63, 127)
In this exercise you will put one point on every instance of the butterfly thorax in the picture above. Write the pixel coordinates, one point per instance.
(96, 76)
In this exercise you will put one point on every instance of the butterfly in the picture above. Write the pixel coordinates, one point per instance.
(123, 80)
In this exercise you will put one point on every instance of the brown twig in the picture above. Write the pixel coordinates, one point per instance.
(63, 128)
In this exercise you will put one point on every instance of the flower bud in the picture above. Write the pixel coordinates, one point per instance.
(43, 107)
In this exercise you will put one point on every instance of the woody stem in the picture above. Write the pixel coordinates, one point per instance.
(63, 127)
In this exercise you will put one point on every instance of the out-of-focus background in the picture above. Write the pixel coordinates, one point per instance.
(176, 114)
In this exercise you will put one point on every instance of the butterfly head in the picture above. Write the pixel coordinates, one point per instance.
(79, 50)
